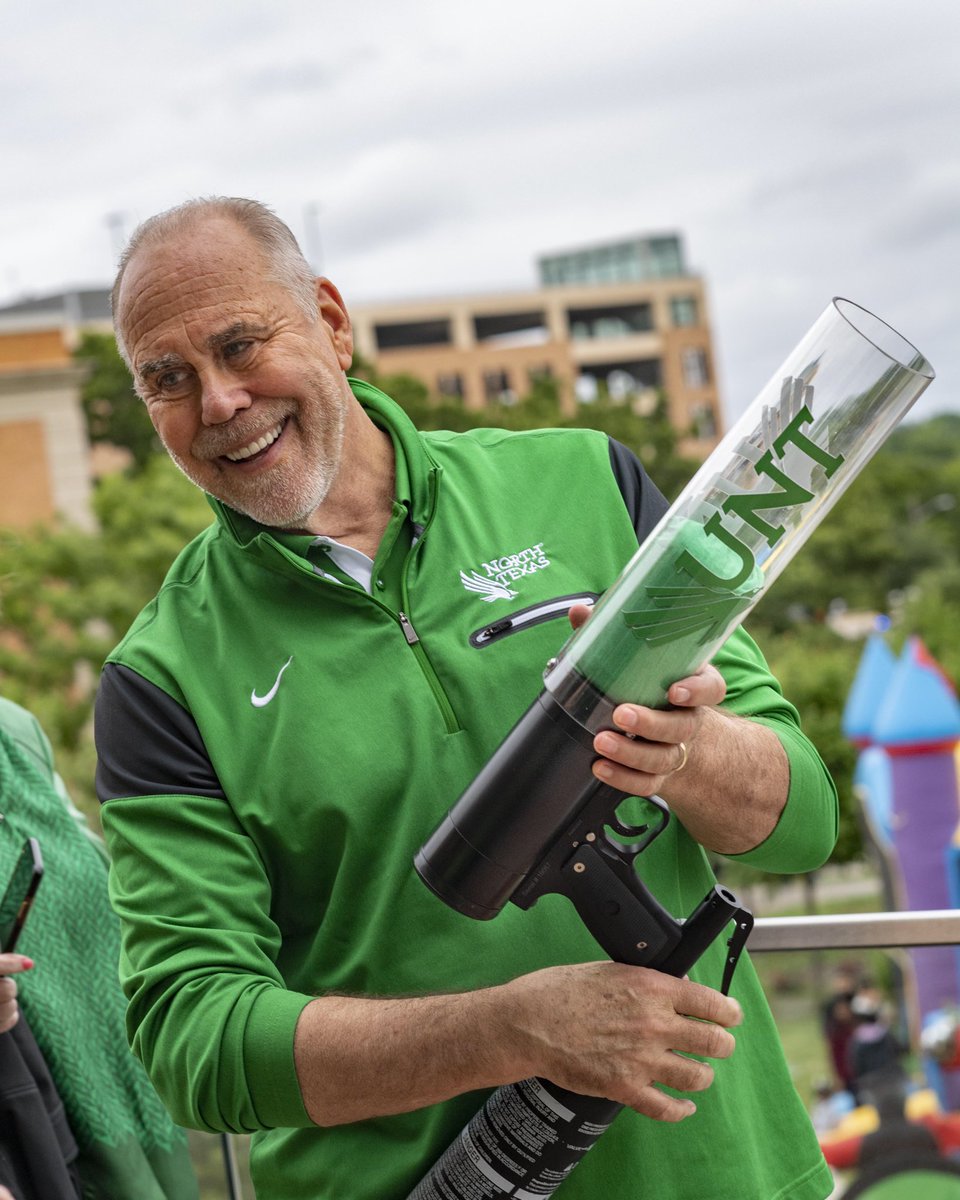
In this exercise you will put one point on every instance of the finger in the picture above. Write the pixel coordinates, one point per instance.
(652, 758)
(684, 1074)
(705, 1039)
(707, 1004)
(657, 724)
(578, 614)
(657, 1105)
(12, 964)
(706, 687)
(9, 1009)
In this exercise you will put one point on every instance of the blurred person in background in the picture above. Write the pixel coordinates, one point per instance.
(874, 1051)
(839, 1024)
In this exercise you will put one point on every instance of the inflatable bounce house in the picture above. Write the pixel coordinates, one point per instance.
(904, 716)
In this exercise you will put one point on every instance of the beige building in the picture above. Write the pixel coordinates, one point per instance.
(625, 316)
(43, 440)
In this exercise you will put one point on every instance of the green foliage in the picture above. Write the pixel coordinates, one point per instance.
(115, 414)
(815, 668)
(931, 609)
(891, 545)
(67, 597)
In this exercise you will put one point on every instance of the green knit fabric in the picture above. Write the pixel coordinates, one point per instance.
(129, 1147)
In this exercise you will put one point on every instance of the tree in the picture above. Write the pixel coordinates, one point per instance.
(115, 414)
(67, 597)
(649, 434)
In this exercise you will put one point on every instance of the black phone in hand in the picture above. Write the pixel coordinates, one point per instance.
(19, 894)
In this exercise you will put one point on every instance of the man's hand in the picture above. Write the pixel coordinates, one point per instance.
(657, 743)
(725, 778)
(611, 1030)
(601, 1029)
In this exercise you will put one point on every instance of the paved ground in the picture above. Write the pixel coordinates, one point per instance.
(853, 880)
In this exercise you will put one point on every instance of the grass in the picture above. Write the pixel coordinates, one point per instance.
(797, 984)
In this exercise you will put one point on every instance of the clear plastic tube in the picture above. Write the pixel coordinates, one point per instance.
(744, 515)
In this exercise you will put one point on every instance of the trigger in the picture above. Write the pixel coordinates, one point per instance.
(640, 835)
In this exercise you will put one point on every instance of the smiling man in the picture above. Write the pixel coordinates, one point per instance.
(307, 695)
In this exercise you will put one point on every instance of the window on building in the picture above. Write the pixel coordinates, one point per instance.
(586, 388)
(666, 257)
(704, 421)
(450, 386)
(512, 329)
(621, 385)
(404, 334)
(610, 321)
(693, 362)
(622, 381)
(636, 258)
(683, 311)
(497, 389)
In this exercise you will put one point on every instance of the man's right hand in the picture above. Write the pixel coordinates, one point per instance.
(617, 1031)
(598, 1028)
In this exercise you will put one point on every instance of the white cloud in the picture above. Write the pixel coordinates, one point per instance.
(804, 148)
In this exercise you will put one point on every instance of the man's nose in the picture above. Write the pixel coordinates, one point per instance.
(222, 396)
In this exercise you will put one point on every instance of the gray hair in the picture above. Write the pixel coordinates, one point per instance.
(286, 263)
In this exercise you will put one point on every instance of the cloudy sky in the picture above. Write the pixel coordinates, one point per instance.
(803, 148)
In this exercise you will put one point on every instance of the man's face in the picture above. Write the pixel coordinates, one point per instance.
(245, 390)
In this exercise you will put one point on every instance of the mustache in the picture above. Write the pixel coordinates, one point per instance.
(216, 440)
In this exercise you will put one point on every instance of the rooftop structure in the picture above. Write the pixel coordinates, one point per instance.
(626, 316)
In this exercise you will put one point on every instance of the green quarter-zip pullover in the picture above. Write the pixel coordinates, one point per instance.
(277, 742)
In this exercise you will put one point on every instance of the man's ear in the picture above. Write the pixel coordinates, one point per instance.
(333, 312)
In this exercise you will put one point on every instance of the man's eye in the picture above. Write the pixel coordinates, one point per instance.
(169, 381)
(237, 349)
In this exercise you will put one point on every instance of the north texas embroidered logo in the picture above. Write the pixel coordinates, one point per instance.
(263, 701)
(492, 580)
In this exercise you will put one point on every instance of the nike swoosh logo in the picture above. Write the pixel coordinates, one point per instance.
(263, 701)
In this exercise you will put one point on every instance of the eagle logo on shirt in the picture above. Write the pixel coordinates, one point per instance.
(492, 580)
(488, 589)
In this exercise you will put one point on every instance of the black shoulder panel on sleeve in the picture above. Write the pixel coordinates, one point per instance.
(147, 744)
(644, 500)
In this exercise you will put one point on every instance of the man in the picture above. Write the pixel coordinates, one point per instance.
(301, 703)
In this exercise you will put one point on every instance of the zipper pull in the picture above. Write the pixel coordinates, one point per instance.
(408, 630)
(497, 627)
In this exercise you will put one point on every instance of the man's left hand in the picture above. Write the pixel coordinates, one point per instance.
(657, 743)
(725, 778)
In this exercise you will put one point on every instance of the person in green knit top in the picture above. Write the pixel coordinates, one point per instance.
(323, 672)
(119, 1142)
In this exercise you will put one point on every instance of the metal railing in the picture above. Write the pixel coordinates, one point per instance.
(232, 1173)
(884, 930)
